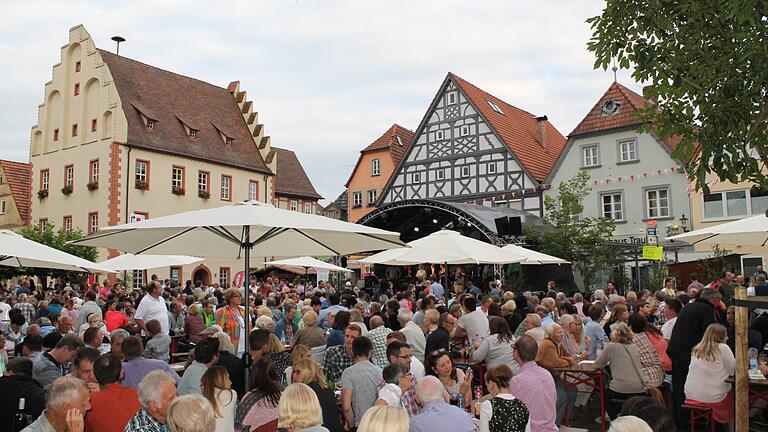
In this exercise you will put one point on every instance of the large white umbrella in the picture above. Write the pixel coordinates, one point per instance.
(130, 261)
(308, 263)
(18, 251)
(751, 231)
(531, 256)
(445, 247)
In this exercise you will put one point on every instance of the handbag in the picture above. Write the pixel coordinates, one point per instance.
(652, 392)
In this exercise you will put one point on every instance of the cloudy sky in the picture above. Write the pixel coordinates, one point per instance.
(327, 77)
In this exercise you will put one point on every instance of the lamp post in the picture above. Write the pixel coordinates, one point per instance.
(684, 223)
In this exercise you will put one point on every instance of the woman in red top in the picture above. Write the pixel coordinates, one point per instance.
(115, 318)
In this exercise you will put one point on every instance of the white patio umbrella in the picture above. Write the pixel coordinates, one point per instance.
(18, 251)
(308, 263)
(531, 256)
(751, 231)
(243, 229)
(444, 247)
(130, 261)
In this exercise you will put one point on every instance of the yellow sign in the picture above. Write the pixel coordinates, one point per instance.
(653, 253)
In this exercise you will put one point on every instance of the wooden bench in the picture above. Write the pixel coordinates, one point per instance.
(699, 413)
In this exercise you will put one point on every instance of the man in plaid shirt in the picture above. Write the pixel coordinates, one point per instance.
(340, 357)
(27, 309)
(378, 336)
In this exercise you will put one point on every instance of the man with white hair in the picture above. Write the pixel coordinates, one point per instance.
(68, 400)
(413, 333)
(436, 413)
(191, 413)
(156, 392)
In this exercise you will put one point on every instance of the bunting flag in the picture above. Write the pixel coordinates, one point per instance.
(640, 176)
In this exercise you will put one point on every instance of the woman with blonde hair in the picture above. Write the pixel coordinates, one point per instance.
(431, 321)
(384, 419)
(299, 352)
(217, 388)
(712, 362)
(190, 413)
(307, 372)
(299, 410)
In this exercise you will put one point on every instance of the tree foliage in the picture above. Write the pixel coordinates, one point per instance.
(706, 63)
(569, 235)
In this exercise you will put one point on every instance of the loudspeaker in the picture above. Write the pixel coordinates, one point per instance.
(509, 226)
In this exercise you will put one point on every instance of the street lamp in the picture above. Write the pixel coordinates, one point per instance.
(684, 223)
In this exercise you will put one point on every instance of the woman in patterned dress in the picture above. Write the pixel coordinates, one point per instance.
(257, 411)
(502, 412)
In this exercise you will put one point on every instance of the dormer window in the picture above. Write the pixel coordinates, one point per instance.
(494, 107)
(193, 133)
(228, 141)
(151, 124)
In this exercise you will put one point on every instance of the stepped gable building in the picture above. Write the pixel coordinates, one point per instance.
(373, 170)
(634, 178)
(118, 140)
(14, 194)
(473, 147)
(293, 189)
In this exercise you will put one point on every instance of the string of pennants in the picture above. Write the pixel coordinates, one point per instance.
(642, 176)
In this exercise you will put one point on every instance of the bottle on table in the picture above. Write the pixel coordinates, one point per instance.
(753, 358)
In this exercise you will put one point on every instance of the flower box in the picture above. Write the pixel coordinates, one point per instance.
(92, 186)
(42, 193)
(142, 185)
(203, 194)
(66, 190)
(178, 191)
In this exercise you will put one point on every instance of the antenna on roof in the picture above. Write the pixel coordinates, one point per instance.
(118, 39)
(614, 69)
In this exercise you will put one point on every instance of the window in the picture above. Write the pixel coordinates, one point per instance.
(734, 204)
(465, 171)
(375, 167)
(228, 141)
(612, 206)
(69, 175)
(451, 98)
(142, 174)
(491, 168)
(93, 171)
(464, 131)
(657, 203)
(77, 89)
(77, 66)
(223, 276)
(137, 279)
(439, 135)
(308, 208)
(74, 130)
(371, 197)
(67, 223)
(93, 222)
(495, 107)
(193, 133)
(42, 224)
(416, 178)
(177, 178)
(150, 124)
(357, 199)
(628, 150)
(590, 156)
(94, 124)
(203, 182)
(45, 177)
(2, 206)
(226, 187)
(294, 205)
(55, 134)
(440, 174)
(253, 190)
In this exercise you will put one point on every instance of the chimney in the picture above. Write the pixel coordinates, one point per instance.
(541, 130)
(646, 95)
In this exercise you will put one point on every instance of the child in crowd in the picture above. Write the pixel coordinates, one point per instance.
(159, 344)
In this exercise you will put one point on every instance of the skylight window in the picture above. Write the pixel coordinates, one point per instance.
(494, 107)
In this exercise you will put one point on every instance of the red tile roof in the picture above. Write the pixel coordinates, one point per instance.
(19, 178)
(518, 129)
(630, 102)
(388, 141)
(290, 178)
(174, 100)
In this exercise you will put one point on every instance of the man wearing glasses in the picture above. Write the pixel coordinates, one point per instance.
(440, 338)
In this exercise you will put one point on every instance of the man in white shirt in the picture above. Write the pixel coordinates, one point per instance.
(474, 322)
(152, 306)
(672, 307)
(414, 336)
(5, 308)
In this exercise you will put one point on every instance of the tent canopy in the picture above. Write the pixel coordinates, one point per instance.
(143, 262)
(309, 263)
(751, 231)
(532, 257)
(18, 251)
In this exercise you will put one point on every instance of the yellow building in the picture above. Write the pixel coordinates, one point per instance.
(727, 202)
(14, 194)
(118, 140)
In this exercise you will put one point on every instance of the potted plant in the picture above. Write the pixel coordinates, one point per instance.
(142, 185)
(92, 186)
(42, 193)
(204, 194)
(66, 190)
(177, 191)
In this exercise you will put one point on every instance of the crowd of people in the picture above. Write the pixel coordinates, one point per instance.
(415, 356)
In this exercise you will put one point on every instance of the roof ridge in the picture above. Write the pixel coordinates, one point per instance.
(102, 51)
(491, 94)
(629, 97)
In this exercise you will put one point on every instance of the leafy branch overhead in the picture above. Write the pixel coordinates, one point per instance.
(706, 62)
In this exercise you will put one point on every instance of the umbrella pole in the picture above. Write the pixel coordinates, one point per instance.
(246, 280)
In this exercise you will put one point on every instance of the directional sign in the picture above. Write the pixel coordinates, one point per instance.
(650, 231)
(653, 240)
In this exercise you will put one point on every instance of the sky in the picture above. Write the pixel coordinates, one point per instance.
(326, 77)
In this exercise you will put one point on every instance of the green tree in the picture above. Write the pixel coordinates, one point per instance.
(706, 63)
(56, 239)
(569, 235)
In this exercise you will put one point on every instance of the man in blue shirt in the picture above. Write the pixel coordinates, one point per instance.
(332, 309)
(594, 330)
(436, 415)
(437, 290)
